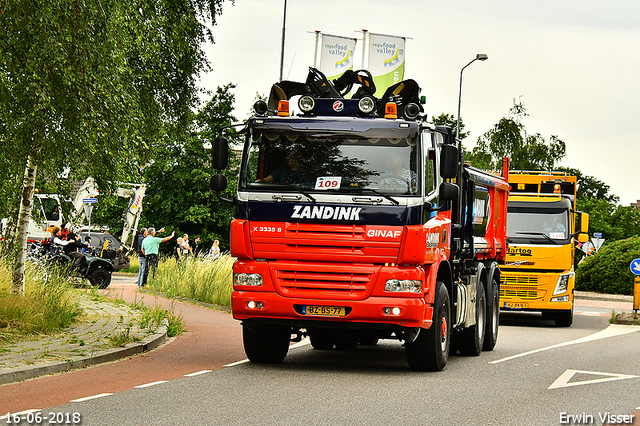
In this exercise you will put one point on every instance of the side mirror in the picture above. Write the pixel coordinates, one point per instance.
(449, 157)
(218, 182)
(582, 227)
(582, 222)
(220, 153)
(448, 191)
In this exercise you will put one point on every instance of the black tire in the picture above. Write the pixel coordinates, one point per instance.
(321, 339)
(100, 278)
(430, 350)
(564, 319)
(266, 343)
(493, 316)
(369, 340)
(347, 341)
(472, 339)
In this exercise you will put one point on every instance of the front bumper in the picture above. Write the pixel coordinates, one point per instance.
(410, 312)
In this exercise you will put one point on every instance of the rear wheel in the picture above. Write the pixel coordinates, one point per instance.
(493, 316)
(321, 339)
(100, 278)
(472, 338)
(266, 343)
(430, 350)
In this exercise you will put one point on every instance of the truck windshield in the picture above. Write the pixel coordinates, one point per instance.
(537, 223)
(330, 163)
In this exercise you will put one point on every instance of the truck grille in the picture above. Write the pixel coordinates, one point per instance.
(320, 280)
(324, 243)
(521, 286)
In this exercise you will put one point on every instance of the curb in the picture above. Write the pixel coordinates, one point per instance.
(589, 295)
(29, 372)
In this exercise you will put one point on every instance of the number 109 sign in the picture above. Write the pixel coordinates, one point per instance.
(328, 182)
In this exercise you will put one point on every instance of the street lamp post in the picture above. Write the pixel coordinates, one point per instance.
(284, 22)
(479, 57)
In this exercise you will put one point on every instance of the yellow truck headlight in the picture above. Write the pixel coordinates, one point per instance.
(563, 283)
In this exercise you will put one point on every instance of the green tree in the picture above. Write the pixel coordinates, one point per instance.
(449, 120)
(92, 86)
(178, 180)
(509, 138)
(615, 222)
(590, 187)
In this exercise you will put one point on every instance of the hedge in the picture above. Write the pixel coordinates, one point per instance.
(608, 270)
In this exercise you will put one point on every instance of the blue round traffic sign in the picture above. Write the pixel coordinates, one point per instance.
(635, 266)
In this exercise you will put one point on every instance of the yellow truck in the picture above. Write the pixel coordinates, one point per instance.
(542, 230)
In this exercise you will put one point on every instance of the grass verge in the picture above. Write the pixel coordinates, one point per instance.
(195, 279)
(41, 309)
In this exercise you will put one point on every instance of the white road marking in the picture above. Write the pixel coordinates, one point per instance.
(303, 342)
(159, 382)
(563, 380)
(87, 398)
(300, 344)
(233, 364)
(611, 331)
(591, 313)
(197, 373)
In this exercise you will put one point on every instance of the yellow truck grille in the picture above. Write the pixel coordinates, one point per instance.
(521, 286)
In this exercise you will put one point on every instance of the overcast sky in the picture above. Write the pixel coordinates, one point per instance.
(575, 65)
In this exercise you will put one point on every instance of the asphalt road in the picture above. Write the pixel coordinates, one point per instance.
(538, 374)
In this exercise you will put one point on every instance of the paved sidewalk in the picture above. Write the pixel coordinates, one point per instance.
(86, 343)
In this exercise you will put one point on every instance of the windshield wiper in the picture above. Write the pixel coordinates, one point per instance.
(387, 197)
(542, 234)
(305, 193)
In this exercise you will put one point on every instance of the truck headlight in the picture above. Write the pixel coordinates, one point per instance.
(405, 286)
(563, 283)
(247, 279)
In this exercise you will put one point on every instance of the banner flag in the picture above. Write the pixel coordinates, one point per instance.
(336, 55)
(386, 60)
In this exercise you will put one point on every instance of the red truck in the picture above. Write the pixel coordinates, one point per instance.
(356, 220)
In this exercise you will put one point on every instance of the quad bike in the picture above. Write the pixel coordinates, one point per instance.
(96, 269)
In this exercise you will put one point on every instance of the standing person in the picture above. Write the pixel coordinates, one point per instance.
(195, 250)
(151, 249)
(141, 259)
(186, 248)
(214, 252)
(177, 251)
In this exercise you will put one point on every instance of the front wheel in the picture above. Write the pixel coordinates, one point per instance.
(266, 343)
(430, 350)
(564, 318)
